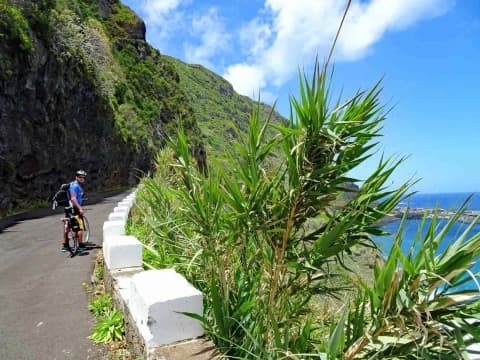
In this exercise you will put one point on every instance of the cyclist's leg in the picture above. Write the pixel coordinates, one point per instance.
(86, 230)
(81, 245)
(65, 229)
(81, 226)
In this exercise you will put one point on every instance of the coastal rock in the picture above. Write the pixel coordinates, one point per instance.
(468, 216)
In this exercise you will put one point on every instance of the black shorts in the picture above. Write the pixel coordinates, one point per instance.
(76, 220)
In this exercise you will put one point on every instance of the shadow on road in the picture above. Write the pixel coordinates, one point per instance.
(92, 198)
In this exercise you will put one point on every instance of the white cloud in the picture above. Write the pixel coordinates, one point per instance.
(254, 36)
(296, 31)
(163, 18)
(368, 23)
(158, 11)
(210, 30)
(247, 79)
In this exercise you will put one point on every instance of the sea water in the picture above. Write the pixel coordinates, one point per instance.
(444, 201)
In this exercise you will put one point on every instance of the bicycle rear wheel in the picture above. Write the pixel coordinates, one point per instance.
(86, 230)
(72, 241)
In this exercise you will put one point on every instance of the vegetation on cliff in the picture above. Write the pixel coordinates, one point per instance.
(90, 74)
(80, 77)
(15, 26)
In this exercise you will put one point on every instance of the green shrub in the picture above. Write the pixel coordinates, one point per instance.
(109, 328)
(419, 306)
(14, 26)
(240, 235)
(101, 306)
(99, 270)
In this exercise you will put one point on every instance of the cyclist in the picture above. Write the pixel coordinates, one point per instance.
(75, 212)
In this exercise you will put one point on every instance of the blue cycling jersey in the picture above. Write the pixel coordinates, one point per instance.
(77, 189)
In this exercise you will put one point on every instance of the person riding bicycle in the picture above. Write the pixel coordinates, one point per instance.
(75, 212)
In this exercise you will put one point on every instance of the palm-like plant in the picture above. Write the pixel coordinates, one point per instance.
(242, 235)
(422, 305)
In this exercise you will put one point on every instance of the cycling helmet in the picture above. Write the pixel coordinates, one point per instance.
(81, 173)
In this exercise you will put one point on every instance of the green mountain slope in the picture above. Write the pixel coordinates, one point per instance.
(219, 110)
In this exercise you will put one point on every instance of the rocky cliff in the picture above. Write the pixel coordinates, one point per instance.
(80, 88)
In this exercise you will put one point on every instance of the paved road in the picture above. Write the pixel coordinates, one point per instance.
(43, 305)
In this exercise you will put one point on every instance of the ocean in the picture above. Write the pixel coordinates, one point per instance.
(446, 201)
(450, 201)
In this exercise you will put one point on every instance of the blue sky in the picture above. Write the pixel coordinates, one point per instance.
(427, 51)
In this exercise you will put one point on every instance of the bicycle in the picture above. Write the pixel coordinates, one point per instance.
(72, 233)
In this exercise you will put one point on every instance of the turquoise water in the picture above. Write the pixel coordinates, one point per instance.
(445, 201)
(410, 230)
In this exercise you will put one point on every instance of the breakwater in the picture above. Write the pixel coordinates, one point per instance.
(468, 216)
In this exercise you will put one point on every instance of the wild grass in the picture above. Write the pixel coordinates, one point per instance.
(109, 321)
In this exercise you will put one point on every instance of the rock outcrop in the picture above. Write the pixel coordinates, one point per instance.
(71, 96)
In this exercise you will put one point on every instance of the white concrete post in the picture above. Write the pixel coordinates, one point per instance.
(121, 208)
(118, 216)
(157, 299)
(122, 251)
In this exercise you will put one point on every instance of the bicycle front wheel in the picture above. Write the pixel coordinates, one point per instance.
(86, 230)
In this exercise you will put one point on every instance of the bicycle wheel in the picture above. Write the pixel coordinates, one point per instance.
(86, 230)
(72, 241)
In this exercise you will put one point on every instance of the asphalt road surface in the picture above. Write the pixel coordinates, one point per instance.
(43, 304)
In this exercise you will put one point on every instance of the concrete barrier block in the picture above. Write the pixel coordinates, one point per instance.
(473, 351)
(118, 216)
(155, 302)
(122, 251)
(126, 202)
(121, 208)
(113, 227)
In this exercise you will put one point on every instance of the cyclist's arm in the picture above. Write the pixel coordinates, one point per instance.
(73, 198)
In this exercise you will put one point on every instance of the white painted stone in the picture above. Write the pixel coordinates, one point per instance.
(113, 227)
(123, 281)
(157, 297)
(473, 351)
(122, 251)
(121, 208)
(118, 216)
(126, 202)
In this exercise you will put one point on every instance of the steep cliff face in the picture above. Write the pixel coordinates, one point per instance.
(79, 88)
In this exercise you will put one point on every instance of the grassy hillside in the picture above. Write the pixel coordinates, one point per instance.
(218, 109)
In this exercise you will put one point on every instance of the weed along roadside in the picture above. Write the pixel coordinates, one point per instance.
(151, 303)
